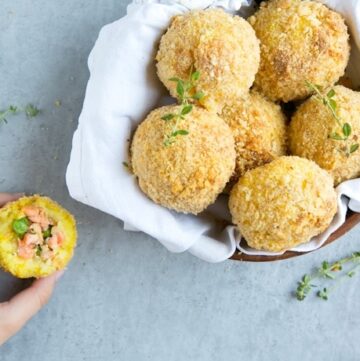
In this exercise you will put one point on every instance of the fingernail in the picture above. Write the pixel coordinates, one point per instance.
(59, 274)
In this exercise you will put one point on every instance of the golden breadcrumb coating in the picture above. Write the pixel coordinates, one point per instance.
(222, 47)
(11, 262)
(311, 126)
(188, 175)
(259, 129)
(283, 204)
(300, 40)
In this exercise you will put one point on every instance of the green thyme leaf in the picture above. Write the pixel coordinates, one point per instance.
(31, 111)
(186, 109)
(304, 287)
(174, 79)
(198, 96)
(336, 136)
(323, 294)
(354, 148)
(195, 76)
(332, 104)
(13, 109)
(331, 93)
(180, 132)
(168, 117)
(346, 130)
(180, 89)
(21, 226)
(351, 274)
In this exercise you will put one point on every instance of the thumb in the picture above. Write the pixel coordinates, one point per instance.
(21, 308)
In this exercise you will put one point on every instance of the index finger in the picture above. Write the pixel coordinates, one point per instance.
(15, 313)
(8, 197)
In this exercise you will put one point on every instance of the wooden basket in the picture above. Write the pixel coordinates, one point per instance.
(352, 220)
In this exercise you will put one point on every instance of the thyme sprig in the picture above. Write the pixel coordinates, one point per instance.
(4, 114)
(185, 90)
(329, 101)
(333, 272)
(30, 111)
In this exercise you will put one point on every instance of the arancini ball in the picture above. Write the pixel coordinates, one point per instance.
(301, 41)
(37, 237)
(223, 48)
(311, 127)
(283, 204)
(259, 129)
(188, 174)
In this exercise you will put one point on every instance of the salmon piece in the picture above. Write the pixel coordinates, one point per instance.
(56, 240)
(37, 215)
(25, 251)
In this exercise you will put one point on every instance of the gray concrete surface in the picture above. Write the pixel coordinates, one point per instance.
(124, 297)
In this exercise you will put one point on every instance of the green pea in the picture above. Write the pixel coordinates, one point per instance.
(21, 226)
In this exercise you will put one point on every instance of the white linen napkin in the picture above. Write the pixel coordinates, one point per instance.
(122, 89)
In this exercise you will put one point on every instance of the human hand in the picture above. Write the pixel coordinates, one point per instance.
(15, 313)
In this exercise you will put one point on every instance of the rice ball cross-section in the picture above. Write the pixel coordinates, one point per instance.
(37, 237)
(187, 175)
(301, 41)
(221, 47)
(312, 128)
(283, 204)
(259, 129)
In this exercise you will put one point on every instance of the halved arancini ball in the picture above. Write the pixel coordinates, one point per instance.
(188, 174)
(283, 204)
(223, 48)
(37, 237)
(313, 124)
(259, 129)
(301, 41)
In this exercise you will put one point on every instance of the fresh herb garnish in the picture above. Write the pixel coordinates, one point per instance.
(329, 101)
(11, 110)
(31, 111)
(21, 226)
(185, 90)
(332, 272)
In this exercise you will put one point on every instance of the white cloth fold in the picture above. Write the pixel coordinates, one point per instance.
(122, 89)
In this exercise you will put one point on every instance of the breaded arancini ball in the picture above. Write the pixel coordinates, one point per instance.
(301, 41)
(189, 174)
(283, 204)
(37, 237)
(312, 125)
(222, 47)
(259, 130)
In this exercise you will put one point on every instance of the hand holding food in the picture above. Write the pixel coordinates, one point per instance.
(37, 237)
(15, 313)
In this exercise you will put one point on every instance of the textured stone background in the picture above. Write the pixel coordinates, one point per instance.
(124, 297)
